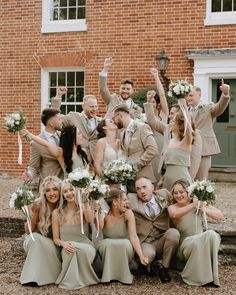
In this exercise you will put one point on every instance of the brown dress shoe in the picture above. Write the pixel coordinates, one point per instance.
(164, 274)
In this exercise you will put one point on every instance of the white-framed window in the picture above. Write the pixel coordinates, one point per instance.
(72, 78)
(220, 12)
(63, 16)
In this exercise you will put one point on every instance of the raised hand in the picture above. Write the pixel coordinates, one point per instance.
(27, 177)
(154, 72)
(61, 90)
(224, 87)
(107, 63)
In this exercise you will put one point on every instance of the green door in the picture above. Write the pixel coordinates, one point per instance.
(225, 127)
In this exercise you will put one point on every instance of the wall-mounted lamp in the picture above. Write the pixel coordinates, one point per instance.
(162, 61)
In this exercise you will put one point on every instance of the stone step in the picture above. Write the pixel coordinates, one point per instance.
(222, 174)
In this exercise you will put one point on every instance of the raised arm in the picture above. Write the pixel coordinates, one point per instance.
(103, 89)
(188, 137)
(129, 217)
(218, 108)
(164, 106)
(153, 121)
(99, 155)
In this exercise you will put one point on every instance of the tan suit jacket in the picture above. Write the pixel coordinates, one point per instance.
(42, 164)
(164, 129)
(144, 223)
(78, 120)
(204, 120)
(141, 148)
(112, 100)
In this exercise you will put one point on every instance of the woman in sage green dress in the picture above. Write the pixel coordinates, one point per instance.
(43, 262)
(78, 252)
(198, 249)
(120, 240)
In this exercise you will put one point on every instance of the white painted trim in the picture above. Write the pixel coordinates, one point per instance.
(49, 26)
(207, 68)
(218, 18)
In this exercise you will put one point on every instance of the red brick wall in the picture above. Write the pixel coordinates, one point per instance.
(131, 31)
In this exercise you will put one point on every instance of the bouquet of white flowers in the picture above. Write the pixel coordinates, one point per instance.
(204, 190)
(19, 200)
(180, 89)
(98, 189)
(119, 171)
(80, 178)
(15, 123)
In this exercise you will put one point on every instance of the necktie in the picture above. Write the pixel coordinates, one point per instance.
(151, 211)
(55, 139)
(126, 138)
(89, 125)
(193, 112)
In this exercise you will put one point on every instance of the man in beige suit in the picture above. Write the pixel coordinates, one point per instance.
(164, 129)
(86, 121)
(137, 142)
(112, 100)
(42, 164)
(158, 240)
(204, 117)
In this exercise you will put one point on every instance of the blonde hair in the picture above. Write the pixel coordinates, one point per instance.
(45, 213)
(63, 202)
(184, 183)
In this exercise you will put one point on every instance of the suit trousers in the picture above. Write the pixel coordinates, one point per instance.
(204, 167)
(164, 247)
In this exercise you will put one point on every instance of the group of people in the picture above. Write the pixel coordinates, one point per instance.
(153, 219)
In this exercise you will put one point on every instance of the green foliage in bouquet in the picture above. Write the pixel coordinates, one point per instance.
(21, 197)
(15, 121)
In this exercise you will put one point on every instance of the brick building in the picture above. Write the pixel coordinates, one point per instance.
(45, 43)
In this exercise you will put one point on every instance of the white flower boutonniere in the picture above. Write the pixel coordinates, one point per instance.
(132, 129)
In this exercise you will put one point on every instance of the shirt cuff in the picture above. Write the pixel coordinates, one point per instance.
(103, 73)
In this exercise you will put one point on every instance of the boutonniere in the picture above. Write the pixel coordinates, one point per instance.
(200, 105)
(132, 129)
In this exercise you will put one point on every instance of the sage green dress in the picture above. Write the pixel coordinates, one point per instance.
(199, 250)
(116, 252)
(43, 261)
(77, 271)
(177, 162)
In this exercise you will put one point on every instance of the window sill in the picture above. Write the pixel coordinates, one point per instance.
(64, 26)
(214, 21)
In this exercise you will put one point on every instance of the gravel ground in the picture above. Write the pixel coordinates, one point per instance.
(12, 258)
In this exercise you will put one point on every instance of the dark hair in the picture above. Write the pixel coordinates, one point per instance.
(47, 114)
(121, 108)
(114, 194)
(175, 105)
(127, 81)
(100, 129)
(67, 142)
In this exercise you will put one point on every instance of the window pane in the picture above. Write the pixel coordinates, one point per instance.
(70, 79)
(81, 13)
(81, 2)
(55, 14)
(227, 5)
(63, 109)
(52, 92)
(70, 95)
(63, 14)
(70, 108)
(79, 94)
(53, 79)
(234, 5)
(72, 13)
(72, 2)
(55, 3)
(215, 5)
(63, 3)
(79, 108)
(79, 78)
(61, 79)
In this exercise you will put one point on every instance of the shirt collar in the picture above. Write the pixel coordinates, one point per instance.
(48, 134)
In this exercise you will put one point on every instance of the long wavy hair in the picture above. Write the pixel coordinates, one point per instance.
(180, 121)
(114, 194)
(100, 129)
(63, 203)
(45, 213)
(67, 143)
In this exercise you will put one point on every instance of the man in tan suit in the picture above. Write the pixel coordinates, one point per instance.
(42, 164)
(164, 129)
(86, 121)
(204, 117)
(137, 142)
(157, 239)
(112, 100)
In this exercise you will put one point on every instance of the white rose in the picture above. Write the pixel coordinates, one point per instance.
(209, 189)
(176, 89)
(169, 93)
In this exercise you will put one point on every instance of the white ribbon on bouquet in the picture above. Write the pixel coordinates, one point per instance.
(20, 149)
(204, 217)
(26, 212)
(78, 195)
